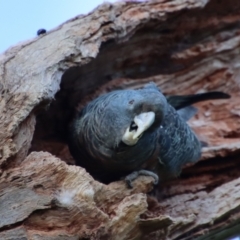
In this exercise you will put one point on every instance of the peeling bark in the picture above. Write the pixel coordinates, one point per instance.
(185, 47)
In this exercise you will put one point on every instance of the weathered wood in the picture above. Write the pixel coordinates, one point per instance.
(185, 47)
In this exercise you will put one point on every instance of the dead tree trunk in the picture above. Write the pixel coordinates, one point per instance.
(185, 47)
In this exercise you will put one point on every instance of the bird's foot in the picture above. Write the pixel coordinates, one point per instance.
(134, 175)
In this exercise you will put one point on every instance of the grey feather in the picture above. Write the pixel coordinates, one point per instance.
(187, 113)
(96, 134)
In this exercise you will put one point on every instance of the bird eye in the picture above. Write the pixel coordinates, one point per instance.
(133, 126)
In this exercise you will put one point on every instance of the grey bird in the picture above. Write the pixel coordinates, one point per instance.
(126, 133)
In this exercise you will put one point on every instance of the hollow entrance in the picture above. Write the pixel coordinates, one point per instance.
(117, 65)
(147, 56)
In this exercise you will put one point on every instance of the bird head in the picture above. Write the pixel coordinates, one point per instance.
(146, 110)
(125, 115)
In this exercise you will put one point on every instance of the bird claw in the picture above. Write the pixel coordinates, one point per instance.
(134, 175)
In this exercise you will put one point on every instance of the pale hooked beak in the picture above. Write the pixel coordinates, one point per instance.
(142, 121)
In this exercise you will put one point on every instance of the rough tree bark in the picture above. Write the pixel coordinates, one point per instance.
(185, 46)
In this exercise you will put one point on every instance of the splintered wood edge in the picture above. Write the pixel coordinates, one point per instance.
(47, 188)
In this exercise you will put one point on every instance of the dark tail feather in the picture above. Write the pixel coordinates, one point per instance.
(179, 102)
(204, 144)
